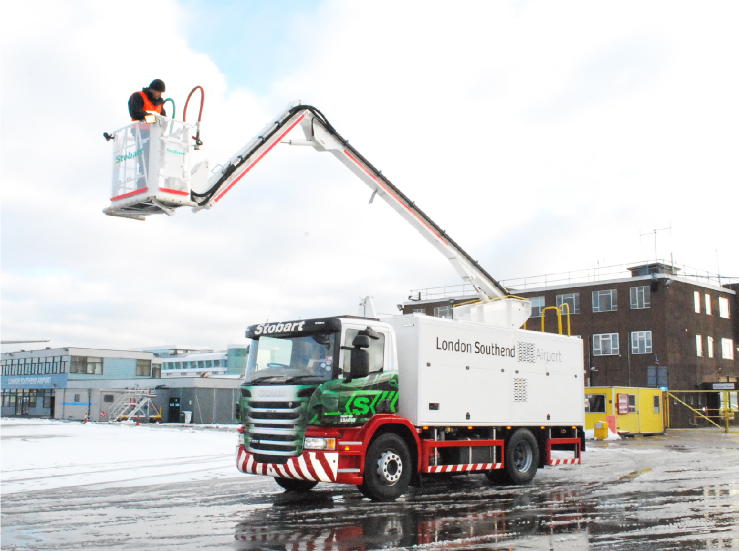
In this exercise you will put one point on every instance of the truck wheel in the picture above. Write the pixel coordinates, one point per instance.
(294, 485)
(387, 468)
(521, 458)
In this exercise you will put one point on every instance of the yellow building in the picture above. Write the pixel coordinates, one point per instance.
(633, 410)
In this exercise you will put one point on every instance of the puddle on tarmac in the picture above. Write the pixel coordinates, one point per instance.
(473, 515)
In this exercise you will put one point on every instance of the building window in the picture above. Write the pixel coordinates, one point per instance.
(641, 342)
(108, 398)
(572, 300)
(86, 364)
(77, 398)
(605, 301)
(640, 297)
(595, 403)
(723, 307)
(537, 305)
(421, 311)
(697, 300)
(156, 371)
(143, 368)
(443, 311)
(727, 349)
(699, 345)
(708, 304)
(605, 344)
(657, 376)
(709, 343)
(632, 403)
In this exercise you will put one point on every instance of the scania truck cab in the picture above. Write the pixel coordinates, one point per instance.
(305, 377)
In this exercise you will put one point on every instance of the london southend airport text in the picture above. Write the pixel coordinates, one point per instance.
(477, 348)
(493, 350)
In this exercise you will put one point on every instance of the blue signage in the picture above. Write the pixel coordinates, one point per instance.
(57, 380)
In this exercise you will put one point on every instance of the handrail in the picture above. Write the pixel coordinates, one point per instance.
(559, 317)
(569, 329)
(727, 413)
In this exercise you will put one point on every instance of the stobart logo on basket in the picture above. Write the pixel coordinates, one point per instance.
(129, 155)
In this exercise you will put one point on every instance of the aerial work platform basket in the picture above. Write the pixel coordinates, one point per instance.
(151, 168)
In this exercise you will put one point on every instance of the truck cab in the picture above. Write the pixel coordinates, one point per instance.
(299, 373)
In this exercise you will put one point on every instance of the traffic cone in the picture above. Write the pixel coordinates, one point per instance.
(137, 420)
(85, 421)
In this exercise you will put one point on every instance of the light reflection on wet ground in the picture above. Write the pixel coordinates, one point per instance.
(677, 492)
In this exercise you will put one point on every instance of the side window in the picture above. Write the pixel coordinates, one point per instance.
(376, 351)
(595, 403)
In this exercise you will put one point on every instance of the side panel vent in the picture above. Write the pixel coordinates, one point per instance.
(520, 393)
(526, 352)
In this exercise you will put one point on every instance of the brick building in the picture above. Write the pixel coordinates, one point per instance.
(650, 327)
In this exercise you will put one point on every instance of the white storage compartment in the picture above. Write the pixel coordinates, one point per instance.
(464, 373)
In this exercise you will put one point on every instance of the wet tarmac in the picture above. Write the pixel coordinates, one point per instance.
(679, 491)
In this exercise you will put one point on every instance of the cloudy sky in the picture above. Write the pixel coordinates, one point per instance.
(542, 136)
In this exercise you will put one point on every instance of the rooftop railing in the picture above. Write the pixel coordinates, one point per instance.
(587, 275)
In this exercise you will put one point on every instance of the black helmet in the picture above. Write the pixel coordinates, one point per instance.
(158, 85)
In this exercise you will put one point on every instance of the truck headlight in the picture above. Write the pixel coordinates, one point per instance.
(319, 443)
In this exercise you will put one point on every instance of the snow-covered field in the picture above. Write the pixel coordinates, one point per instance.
(45, 454)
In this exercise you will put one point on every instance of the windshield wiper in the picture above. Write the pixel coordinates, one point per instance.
(298, 377)
(267, 377)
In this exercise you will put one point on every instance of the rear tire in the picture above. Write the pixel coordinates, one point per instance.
(521, 458)
(387, 468)
(294, 485)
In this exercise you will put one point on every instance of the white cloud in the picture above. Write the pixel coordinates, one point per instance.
(542, 136)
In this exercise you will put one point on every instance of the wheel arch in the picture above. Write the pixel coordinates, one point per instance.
(383, 424)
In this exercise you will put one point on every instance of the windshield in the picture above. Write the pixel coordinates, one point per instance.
(308, 358)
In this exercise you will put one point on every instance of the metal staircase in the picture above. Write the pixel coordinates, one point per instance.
(133, 403)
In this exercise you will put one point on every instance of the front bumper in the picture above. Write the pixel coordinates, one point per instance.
(310, 465)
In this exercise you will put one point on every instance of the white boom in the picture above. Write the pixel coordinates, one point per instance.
(502, 311)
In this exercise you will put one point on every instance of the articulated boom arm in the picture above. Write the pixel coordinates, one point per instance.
(323, 137)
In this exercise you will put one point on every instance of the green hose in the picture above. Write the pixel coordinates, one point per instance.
(173, 107)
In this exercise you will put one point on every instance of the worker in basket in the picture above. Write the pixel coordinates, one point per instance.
(148, 99)
(139, 105)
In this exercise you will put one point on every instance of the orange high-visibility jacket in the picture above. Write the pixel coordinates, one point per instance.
(148, 106)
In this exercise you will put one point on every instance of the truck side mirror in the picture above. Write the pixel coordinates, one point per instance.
(359, 357)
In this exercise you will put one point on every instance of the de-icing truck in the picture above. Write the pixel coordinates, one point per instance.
(377, 403)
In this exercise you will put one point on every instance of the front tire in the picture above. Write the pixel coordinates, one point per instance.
(521, 458)
(294, 485)
(387, 468)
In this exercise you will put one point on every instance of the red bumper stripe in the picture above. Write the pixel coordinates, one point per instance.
(303, 467)
(175, 191)
(129, 194)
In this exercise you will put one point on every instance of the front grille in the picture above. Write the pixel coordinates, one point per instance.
(276, 437)
(275, 459)
(275, 428)
(272, 405)
(263, 415)
(275, 447)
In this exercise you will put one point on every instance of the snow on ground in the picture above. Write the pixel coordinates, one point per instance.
(590, 435)
(42, 454)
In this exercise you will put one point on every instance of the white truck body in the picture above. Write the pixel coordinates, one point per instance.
(459, 373)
